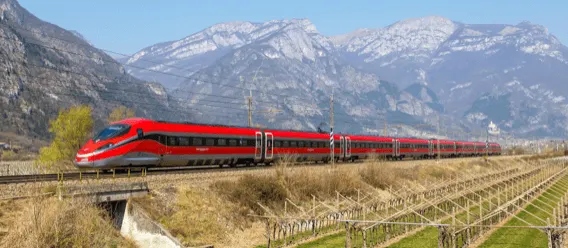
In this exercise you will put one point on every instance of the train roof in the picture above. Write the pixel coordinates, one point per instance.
(370, 138)
(413, 140)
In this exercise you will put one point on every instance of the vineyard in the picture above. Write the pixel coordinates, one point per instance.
(469, 209)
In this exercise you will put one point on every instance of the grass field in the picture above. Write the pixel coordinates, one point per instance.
(524, 237)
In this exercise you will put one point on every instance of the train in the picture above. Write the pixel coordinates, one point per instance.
(145, 143)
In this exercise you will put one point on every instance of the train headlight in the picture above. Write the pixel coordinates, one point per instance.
(109, 145)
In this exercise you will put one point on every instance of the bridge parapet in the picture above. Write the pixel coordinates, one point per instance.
(99, 193)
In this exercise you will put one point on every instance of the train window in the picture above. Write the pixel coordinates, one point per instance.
(293, 144)
(251, 142)
(183, 141)
(337, 145)
(197, 141)
(221, 142)
(232, 142)
(277, 143)
(210, 142)
(155, 137)
(285, 144)
(172, 141)
(300, 143)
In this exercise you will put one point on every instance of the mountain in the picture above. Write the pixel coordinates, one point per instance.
(46, 68)
(291, 68)
(512, 74)
(414, 71)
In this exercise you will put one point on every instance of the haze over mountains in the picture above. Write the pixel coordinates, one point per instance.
(414, 72)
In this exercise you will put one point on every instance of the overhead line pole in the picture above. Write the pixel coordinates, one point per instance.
(438, 138)
(331, 124)
(385, 129)
(249, 104)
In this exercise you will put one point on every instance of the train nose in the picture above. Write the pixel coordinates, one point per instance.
(83, 162)
(82, 158)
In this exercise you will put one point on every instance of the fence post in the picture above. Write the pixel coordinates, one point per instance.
(347, 235)
(268, 232)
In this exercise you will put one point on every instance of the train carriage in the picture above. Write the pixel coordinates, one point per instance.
(410, 147)
(362, 147)
(480, 148)
(445, 148)
(305, 146)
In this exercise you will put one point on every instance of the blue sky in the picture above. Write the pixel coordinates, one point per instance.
(127, 26)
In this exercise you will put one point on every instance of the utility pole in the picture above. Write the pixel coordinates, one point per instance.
(385, 129)
(438, 138)
(487, 143)
(331, 123)
(249, 104)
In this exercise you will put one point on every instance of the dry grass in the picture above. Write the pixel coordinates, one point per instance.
(196, 217)
(302, 183)
(48, 222)
(219, 212)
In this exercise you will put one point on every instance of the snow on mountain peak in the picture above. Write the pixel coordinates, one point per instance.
(429, 22)
(417, 37)
(231, 27)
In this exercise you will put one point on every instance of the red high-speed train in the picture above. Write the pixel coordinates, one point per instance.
(147, 143)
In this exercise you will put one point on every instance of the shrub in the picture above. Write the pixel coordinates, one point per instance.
(8, 155)
(71, 129)
(378, 175)
(250, 190)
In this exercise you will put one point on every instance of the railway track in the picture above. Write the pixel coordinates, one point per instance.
(122, 173)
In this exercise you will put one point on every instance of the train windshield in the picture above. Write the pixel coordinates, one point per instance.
(111, 132)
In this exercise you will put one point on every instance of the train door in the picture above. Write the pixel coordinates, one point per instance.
(269, 141)
(347, 147)
(341, 147)
(163, 150)
(455, 149)
(258, 146)
(394, 148)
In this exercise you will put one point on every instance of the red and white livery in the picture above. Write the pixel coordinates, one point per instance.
(146, 143)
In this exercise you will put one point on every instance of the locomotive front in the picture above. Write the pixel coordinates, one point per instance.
(107, 148)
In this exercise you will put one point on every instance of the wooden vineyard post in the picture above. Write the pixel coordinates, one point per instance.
(468, 231)
(347, 235)
(314, 215)
(498, 196)
(453, 228)
(268, 232)
(480, 213)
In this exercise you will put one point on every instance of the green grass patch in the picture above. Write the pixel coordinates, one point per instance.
(524, 237)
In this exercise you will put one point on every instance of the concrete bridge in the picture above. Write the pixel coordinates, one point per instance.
(128, 217)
